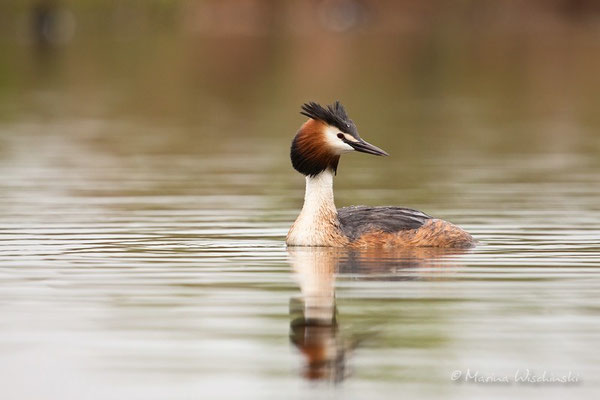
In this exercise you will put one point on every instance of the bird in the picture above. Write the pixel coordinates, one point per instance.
(315, 153)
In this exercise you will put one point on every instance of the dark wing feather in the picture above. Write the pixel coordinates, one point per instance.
(358, 220)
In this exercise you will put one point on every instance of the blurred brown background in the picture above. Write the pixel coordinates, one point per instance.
(513, 75)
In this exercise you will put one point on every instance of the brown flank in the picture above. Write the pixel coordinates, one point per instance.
(434, 233)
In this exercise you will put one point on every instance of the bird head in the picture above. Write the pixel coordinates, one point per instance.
(322, 139)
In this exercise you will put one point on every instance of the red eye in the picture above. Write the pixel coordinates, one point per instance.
(341, 135)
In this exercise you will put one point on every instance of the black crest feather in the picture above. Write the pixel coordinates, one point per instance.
(334, 115)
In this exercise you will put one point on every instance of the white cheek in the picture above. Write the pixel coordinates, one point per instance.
(335, 143)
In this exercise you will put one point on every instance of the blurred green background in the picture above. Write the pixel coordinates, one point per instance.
(502, 76)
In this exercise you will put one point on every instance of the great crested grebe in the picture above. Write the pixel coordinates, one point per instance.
(315, 152)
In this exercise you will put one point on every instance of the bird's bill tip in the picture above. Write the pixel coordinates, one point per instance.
(364, 147)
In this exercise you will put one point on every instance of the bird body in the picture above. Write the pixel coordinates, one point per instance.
(315, 153)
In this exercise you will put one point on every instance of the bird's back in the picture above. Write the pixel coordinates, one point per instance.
(397, 226)
(357, 220)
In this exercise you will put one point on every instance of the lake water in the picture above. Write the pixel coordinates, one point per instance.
(142, 250)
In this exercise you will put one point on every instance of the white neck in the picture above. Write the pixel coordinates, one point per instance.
(318, 216)
(319, 193)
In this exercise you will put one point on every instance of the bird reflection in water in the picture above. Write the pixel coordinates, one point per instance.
(314, 328)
